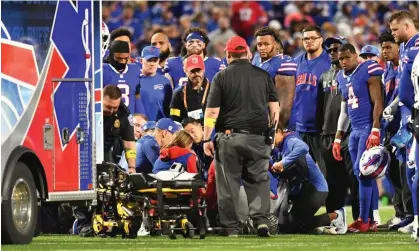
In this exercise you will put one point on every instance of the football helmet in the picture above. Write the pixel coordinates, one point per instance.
(106, 38)
(374, 162)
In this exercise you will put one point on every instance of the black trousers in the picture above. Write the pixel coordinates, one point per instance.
(340, 176)
(242, 157)
(305, 204)
(396, 174)
(313, 142)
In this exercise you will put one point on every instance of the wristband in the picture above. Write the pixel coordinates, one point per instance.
(206, 141)
(337, 141)
(130, 154)
(210, 122)
(375, 130)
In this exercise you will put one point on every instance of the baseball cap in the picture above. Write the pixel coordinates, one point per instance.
(369, 50)
(150, 52)
(194, 62)
(331, 40)
(168, 125)
(149, 125)
(235, 42)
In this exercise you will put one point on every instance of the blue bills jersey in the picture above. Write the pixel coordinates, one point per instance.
(278, 65)
(127, 81)
(174, 67)
(355, 91)
(391, 84)
(304, 111)
(406, 89)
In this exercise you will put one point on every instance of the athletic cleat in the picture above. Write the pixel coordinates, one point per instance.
(415, 234)
(393, 221)
(373, 226)
(263, 230)
(142, 231)
(404, 222)
(406, 229)
(358, 226)
(340, 222)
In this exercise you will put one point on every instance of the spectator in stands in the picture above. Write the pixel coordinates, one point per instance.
(219, 37)
(178, 151)
(148, 147)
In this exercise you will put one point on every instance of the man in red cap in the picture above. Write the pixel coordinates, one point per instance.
(238, 103)
(189, 100)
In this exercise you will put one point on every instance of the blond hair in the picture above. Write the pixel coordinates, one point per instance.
(181, 139)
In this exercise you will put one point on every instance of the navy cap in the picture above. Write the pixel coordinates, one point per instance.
(369, 50)
(149, 125)
(331, 40)
(168, 125)
(150, 52)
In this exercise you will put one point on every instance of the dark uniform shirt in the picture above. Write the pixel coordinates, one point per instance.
(329, 101)
(242, 91)
(194, 106)
(117, 125)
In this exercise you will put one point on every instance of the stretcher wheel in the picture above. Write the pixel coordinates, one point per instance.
(188, 231)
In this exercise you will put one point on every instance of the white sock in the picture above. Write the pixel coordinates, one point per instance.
(415, 222)
(377, 217)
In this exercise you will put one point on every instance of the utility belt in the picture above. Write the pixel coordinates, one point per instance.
(241, 131)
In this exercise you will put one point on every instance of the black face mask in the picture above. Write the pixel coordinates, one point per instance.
(118, 66)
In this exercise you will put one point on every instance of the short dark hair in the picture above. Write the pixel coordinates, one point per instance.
(189, 120)
(313, 28)
(267, 31)
(120, 32)
(400, 15)
(112, 92)
(386, 37)
(347, 47)
(238, 55)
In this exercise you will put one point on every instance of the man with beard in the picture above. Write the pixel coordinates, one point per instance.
(189, 100)
(339, 173)
(195, 41)
(124, 75)
(161, 41)
(117, 123)
(311, 65)
(280, 67)
(120, 34)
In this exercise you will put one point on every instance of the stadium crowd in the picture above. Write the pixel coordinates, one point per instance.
(164, 56)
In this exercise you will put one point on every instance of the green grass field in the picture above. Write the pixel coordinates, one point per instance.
(382, 240)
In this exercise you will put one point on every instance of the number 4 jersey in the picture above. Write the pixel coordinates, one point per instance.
(355, 91)
(127, 81)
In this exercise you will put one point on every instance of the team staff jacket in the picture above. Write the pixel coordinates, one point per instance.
(175, 154)
(328, 101)
(147, 153)
(187, 102)
(118, 125)
(289, 151)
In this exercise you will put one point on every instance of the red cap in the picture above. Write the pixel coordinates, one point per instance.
(194, 62)
(235, 42)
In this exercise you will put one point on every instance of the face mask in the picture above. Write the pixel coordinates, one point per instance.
(118, 66)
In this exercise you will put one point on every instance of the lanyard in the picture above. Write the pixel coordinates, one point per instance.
(203, 98)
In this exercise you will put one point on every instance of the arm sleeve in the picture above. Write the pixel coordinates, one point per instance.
(167, 98)
(191, 164)
(176, 105)
(127, 130)
(273, 97)
(151, 151)
(343, 121)
(287, 68)
(214, 96)
(297, 149)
